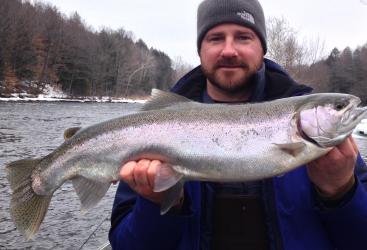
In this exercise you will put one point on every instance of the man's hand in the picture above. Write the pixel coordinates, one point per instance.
(140, 176)
(333, 174)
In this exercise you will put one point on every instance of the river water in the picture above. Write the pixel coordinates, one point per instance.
(29, 130)
(34, 130)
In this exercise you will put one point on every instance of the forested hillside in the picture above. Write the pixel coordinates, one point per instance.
(39, 45)
(335, 71)
(342, 71)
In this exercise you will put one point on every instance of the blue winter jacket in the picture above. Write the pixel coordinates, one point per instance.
(297, 218)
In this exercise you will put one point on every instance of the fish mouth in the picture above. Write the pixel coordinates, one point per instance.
(353, 116)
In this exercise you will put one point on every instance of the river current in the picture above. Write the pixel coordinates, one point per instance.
(29, 130)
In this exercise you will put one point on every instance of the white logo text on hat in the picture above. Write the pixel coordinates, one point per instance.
(246, 16)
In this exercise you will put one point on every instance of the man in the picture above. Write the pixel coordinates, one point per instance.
(320, 206)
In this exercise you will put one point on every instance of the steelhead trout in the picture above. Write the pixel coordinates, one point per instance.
(205, 142)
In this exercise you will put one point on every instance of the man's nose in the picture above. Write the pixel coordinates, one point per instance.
(229, 49)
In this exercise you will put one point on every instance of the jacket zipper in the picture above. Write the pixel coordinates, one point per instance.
(269, 198)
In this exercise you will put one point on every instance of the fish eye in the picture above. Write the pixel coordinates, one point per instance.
(340, 105)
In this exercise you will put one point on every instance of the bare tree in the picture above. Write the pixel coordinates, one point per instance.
(360, 63)
(285, 48)
(180, 68)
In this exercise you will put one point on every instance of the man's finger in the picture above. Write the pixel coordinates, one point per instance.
(347, 149)
(335, 154)
(140, 173)
(354, 144)
(126, 173)
(152, 172)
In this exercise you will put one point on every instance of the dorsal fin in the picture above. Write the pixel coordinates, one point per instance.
(161, 99)
(70, 132)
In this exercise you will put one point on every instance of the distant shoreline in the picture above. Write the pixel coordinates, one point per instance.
(80, 100)
(54, 95)
(51, 93)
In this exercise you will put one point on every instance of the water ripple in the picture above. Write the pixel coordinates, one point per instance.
(28, 136)
(6, 138)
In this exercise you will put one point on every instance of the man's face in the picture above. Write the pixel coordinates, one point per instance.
(230, 54)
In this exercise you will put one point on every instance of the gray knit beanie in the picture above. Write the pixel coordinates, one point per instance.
(248, 13)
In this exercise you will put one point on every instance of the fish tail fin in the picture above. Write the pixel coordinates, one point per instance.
(170, 181)
(27, 209)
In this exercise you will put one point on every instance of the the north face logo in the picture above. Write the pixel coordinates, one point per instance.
(246, 16)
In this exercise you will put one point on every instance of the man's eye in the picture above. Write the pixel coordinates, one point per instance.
(215, 39)
(244, 38)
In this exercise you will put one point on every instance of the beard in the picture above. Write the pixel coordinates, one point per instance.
(234, 82)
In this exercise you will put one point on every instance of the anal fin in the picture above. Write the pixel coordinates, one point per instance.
(90, 192)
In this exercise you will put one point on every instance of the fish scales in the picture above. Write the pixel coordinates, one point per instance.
(202, 137)
(213, 142)
(187, 131)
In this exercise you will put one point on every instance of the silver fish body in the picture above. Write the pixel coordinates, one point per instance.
(213, 142)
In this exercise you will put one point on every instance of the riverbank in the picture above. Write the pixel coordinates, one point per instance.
(53, 94)
(45, 98)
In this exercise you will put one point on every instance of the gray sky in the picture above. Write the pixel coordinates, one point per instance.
(170, 25)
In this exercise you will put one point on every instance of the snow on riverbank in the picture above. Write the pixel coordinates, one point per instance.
(55, 95)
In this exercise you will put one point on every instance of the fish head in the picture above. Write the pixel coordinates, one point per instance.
(327, 119)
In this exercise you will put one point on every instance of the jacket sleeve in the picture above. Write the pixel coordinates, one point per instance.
(347, 224)
(136, 223)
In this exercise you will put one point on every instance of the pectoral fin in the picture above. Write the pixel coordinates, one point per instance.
(166, 178)
(292, 148)
(171, 182)
(171, 197)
